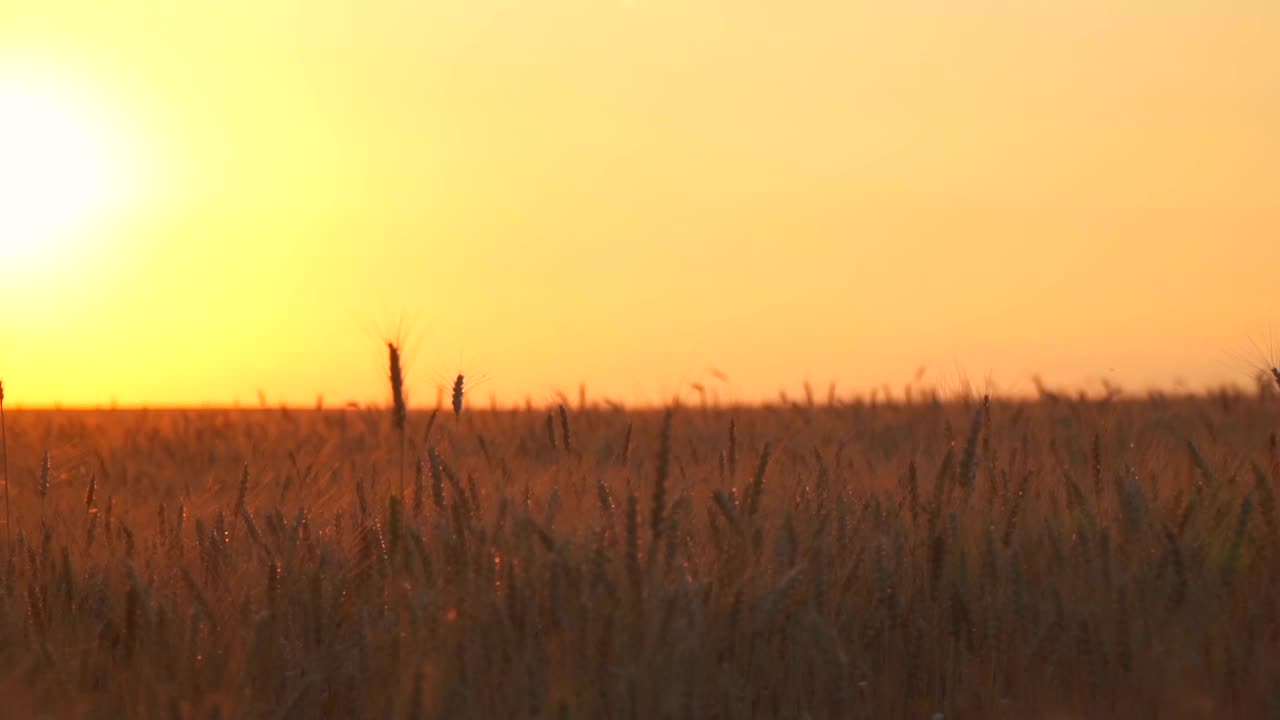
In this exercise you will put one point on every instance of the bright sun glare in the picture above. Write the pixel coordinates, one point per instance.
(59, 171)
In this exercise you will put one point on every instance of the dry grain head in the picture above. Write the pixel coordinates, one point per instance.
(459, 384)
(396, 372)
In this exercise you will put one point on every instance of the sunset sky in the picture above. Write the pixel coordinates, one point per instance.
(212, 198)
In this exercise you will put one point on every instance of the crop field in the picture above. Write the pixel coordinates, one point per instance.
(1067, 557)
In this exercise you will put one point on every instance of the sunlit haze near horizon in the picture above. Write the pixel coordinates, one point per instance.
(208, 199)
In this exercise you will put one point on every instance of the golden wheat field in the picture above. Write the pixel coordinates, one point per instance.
(690, 207)
(1060, 558)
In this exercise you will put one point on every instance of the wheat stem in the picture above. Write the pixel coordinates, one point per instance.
(4, 464)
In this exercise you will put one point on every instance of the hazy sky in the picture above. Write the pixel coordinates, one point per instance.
(629, 193)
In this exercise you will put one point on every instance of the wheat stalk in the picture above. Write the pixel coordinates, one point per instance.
(399, 410)
(660, 484)
(969, 461)
(564, 429)
(4, 465)
(437, 478)
(459, 385)
(733, 448)
(88, 496)
(757, 483)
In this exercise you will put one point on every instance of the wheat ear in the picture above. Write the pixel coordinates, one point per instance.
(399, 412)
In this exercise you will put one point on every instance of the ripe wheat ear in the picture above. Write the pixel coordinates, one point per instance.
(399, 411)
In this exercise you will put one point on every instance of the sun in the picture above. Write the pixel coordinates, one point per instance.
(59, 171)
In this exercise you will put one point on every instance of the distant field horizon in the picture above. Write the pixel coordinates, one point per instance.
(871, 396)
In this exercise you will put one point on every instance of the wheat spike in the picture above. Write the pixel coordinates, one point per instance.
(459, 384)
(564, 429)
(396, 373)
(88, 496)
(399, 409)
(757, 483)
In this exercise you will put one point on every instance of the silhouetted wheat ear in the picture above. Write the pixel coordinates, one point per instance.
(398, 411)
(93, 488)
(1275, 373)
(458, 384)
(437, 478)
(431, 422)
(564, 428)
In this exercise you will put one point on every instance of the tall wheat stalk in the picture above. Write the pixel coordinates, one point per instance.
(457, 394)
(564, 429)
(399, 411)
(4, 464)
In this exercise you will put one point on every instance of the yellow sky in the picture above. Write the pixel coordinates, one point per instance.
(629, 193)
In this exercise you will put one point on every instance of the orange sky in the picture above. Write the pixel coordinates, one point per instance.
(629, 193)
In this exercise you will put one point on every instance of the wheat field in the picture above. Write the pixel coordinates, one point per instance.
(1067, 557)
